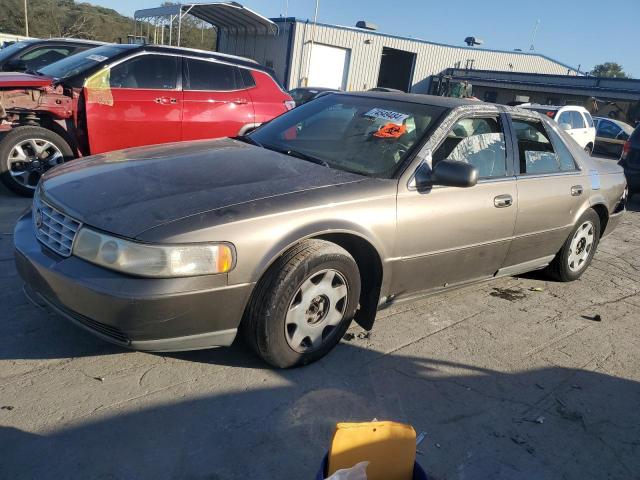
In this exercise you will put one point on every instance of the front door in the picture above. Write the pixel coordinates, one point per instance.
(551, 190)
(447, 235)
(216, 102)
(136, 102)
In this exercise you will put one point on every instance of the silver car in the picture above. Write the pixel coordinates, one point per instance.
(328, 213)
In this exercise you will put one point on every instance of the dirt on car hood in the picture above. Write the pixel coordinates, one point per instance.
(130, 191)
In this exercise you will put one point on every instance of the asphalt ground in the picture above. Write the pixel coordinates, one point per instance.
(521, 378)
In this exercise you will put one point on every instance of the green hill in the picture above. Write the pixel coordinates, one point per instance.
(66, 18)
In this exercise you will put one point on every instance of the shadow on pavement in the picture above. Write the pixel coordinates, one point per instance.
(543, 424)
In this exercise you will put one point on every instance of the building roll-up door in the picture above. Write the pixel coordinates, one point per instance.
(329, 67)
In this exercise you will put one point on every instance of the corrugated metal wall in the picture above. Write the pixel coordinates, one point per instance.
(366, 53)
(269, 50)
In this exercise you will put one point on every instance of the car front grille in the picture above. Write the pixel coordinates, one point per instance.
(53, 228)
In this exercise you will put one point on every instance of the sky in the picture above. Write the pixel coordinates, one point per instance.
(576, 32)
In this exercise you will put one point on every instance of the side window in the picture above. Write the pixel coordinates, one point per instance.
(153, 72)
(537, 155)
(206, 75)
(478, 141)
(576, 120)
(587, 115)
(565, 117)
(247, 78)
(567, 163)
(607, 129)
(43, 56)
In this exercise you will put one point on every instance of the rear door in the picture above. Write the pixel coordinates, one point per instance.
(216, 101)
(136, 102)
(551, 190)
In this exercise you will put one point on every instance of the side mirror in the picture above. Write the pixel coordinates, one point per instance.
(448, 173)
(566, 126)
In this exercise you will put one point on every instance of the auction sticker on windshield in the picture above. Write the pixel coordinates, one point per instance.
(389, 115)
(97, 58)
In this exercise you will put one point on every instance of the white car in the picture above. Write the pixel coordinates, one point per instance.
(575, 120)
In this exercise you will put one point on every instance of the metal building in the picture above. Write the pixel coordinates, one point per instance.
(306, 54)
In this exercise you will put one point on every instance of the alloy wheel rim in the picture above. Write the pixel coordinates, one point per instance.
(581, 246)
(316, 310)
(29, 159)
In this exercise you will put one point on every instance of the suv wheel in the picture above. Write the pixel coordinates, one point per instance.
(26, 153)
(577, 252)
(303, 305)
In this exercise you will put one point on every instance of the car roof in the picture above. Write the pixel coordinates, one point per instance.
(447, 102)
(79, 41)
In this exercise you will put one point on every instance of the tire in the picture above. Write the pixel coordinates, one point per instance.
(54, 150)
(322, 268)
(588, 149)
(567, 267)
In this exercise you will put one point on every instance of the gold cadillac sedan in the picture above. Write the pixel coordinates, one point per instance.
(326, 214)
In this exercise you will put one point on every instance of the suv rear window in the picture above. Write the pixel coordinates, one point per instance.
(207, 75)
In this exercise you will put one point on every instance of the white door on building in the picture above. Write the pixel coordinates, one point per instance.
(328, 67)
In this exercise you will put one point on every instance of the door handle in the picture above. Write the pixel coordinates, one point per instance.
(166, 100)
(576, 190)
(240, 101)
(502, 201)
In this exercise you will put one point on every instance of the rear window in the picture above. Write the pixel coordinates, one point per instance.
(247, 78)
(587, 116)
(208, 75)
(541, 152)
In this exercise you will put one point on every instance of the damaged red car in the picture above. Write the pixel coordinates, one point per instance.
(119, 96)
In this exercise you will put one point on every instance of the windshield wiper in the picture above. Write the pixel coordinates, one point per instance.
(33, 72)
(247, 139)
(297, 154)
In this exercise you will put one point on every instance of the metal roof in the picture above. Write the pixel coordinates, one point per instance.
(222, 15)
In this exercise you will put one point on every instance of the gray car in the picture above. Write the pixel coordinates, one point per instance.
(325, 215)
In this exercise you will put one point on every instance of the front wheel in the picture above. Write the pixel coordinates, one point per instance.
(26, 153)
(588, 149)
(578, 250)
(303, 305)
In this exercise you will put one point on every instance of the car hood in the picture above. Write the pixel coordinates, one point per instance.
(130, 191)
(17, 80)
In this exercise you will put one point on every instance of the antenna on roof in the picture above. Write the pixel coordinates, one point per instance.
(532, 48)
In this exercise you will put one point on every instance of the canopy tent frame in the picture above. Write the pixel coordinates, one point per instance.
(221, 15)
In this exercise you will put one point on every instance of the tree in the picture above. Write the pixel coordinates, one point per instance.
(609, 69)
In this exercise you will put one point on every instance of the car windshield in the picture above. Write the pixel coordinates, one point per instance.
(366, 135)
(79, 62)
(11, 50)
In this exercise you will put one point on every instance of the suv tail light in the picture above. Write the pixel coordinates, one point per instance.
(626, 149)
(289, 104)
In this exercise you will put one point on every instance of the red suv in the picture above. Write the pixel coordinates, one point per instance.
(120, 96)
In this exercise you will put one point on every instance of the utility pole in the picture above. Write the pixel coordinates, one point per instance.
(313, 32)
(26, 20)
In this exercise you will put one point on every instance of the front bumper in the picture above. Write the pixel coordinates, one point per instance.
(171, 314)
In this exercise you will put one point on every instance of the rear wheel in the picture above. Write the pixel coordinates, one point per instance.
(577, 252)
(28, 152)
(303, 305)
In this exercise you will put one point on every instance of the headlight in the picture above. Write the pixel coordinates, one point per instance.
(152, 260)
